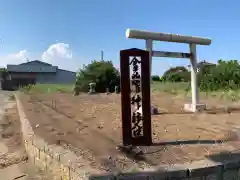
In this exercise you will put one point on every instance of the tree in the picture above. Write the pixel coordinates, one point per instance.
(103, 73)
(3, 73)
(177, 74)
(155, 78)
(225, 75)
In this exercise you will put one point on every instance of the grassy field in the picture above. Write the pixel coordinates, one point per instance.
(184, 89)
(179, 89)
(49, 88)
(173, 88)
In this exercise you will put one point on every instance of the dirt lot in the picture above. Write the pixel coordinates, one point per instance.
(10, 132)
(13, 158)
(90, 125)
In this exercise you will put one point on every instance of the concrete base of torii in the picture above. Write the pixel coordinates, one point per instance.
(194, 107)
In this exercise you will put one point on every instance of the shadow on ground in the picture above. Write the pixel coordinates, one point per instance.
(138, 153)
(187, 142)
(224, 157)
(218, 158)
(219, 110)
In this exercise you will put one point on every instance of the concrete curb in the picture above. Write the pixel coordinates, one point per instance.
(65, 165)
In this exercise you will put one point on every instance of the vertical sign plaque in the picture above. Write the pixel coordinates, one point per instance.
(135, 97)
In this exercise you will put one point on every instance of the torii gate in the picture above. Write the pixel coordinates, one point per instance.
(149, 37)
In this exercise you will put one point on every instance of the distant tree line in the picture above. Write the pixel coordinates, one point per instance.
(223, 75)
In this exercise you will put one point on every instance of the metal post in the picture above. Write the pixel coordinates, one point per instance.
(194, 84)
(101, 55)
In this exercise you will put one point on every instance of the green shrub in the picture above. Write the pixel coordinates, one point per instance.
(225, 76)
(103, 73)
(155, 78)
(176, 74)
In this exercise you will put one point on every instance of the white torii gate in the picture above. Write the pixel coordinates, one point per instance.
(192, 41)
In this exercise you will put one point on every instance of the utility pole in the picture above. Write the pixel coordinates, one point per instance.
(102, 55)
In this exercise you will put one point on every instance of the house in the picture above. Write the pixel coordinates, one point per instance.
(34, 72)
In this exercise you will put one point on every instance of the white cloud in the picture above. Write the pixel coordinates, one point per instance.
(15, 58)
(60, 54)
(22, 55)
(57, 52)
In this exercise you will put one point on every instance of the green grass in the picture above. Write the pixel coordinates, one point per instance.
(48, 88)
(229, 95)
(172, 88)
(184, 89)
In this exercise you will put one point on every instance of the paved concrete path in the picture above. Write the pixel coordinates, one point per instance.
(21, 171)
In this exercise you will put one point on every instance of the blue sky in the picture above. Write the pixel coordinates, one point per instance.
(71, 33)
